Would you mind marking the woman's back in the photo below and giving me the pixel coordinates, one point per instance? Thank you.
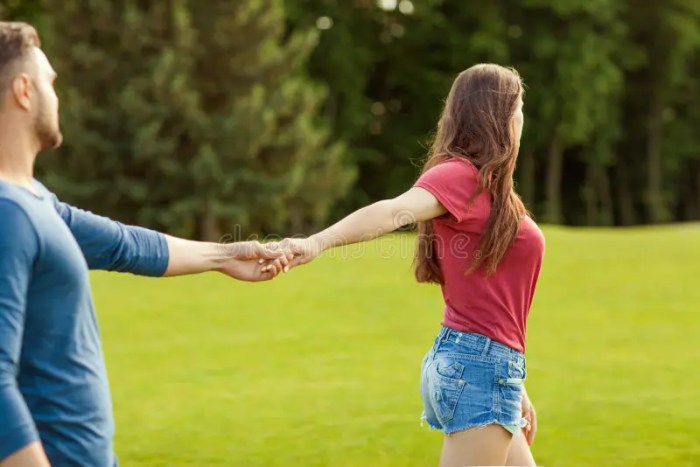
(494, 305)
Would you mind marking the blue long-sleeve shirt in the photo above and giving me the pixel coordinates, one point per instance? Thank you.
(53, 382)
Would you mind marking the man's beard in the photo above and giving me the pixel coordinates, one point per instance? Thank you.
(48, 135)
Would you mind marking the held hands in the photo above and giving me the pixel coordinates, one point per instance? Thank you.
(253, 261)
(298, 250)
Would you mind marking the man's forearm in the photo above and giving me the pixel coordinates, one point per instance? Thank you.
(191, 257)
(31, 455)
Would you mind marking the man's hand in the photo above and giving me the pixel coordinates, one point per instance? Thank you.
(253, 261)
(190, 257)
(528, 411)
(251, 270)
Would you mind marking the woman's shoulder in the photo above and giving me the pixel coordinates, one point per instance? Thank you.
(531, 230)
(453, 169)
(459, 162)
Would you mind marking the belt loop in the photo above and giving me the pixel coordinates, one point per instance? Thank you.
(448, 331)
(487, 346)
(444, 334)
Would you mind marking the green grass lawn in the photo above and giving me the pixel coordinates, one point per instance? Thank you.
(320, 367)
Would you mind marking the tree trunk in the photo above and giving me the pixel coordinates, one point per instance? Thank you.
(590, 194)
(208, 226)
(555, 162)
(296, 220)
(625, 200)
(691, 198)
(656, 208)
(606, 201)
(599, 203)
(526, 179)
(697, 195)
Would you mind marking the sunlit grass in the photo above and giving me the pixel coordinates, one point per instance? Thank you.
(320, 367)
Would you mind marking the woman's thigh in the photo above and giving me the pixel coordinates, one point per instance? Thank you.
(519, 452)
(487, 445)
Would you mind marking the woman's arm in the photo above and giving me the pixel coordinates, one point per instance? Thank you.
(528, 411)
(375, 220)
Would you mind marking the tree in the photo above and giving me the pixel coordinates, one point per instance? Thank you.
(669, 34)
(196, 118)
(351, 60)
(22, 10)
(389, 70)
(572, 62)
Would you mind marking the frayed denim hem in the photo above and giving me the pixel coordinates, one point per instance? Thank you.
(424, 420)
(512, 428)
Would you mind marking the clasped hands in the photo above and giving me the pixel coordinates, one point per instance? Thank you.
(254, 261)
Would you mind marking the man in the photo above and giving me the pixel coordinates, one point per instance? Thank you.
(55, 406)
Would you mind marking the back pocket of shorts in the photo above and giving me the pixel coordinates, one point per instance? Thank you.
(445, 384)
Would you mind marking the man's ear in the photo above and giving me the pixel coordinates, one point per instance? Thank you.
(22, 90)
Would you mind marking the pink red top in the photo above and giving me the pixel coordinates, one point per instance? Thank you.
(496, 306)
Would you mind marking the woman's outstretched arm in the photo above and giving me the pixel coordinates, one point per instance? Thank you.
(375, 220)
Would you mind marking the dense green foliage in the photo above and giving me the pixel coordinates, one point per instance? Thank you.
(609, 107)
(278, 115)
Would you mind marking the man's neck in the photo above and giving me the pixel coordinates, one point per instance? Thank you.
(17, 156)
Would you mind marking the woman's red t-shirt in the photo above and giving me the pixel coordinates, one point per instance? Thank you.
(496, 306)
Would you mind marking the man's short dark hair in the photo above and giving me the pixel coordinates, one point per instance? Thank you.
(16, 42)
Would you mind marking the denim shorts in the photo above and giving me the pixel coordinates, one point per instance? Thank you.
(469, 380)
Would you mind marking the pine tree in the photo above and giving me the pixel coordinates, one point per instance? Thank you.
(193, 118)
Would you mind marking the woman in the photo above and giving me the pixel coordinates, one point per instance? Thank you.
(477, 240)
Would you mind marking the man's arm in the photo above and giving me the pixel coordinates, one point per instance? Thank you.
(19, 246)
(238, 260)
(113, 246)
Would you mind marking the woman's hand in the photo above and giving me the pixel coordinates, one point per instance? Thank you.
(529, 413)
(298, 250)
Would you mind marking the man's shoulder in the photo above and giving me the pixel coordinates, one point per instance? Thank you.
(19, 206)
(22, 196)
(12, 204)
(17, 226)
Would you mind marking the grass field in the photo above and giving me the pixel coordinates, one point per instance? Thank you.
(320, 367)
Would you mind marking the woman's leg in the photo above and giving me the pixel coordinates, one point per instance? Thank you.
(486, 445)
(519, 453)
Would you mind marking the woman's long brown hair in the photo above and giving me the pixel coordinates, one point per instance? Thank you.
(477, 125)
